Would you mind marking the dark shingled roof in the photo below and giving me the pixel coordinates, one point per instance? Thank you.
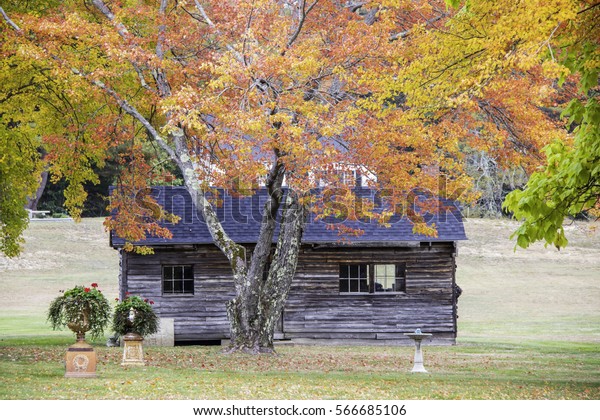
(241, 217)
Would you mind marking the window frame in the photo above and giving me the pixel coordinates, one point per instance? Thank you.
(399, 274)
(350, 278)
(185, 291)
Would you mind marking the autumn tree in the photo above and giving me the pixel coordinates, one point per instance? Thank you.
(568, 183)
(280, 92)
(500, 43)
(19, 163)
(39, 110)
(26, 111)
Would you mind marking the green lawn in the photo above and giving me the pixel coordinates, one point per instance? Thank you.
(529, 328)
(312, 372)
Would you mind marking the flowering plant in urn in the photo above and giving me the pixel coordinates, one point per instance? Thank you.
(133, 319)
(81, 309)
(135, 315)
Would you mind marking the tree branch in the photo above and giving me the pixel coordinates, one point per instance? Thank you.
(180, 155)
(103, 8)
(9, 21)
(203, 13)
(122, 30)
(354, 6)
(449, 66)
(305, 13)
(159, 74)
(589, 8)
(17, 91)
(131, 110)
(210, 23)
(161, 30)
(406, 33)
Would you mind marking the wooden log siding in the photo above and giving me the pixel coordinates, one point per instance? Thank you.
(200, 316)
(315, 309)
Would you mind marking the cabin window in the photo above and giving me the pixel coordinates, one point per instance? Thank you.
(354, 278)
(372, 278)
(389, 278)
(178, 280)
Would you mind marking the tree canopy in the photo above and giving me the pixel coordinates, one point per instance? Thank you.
(553, 39)
(568, 183)
(237, 94)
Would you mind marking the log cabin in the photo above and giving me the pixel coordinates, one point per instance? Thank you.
(371, 288)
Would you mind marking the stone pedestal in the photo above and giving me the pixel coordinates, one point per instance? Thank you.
(81, 361)
(418, 363)
(133, 352)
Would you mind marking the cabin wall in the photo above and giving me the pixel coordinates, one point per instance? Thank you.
(315, 309)
(200, 316)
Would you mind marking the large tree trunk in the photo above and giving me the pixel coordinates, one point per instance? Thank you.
(243, 310)
(255, 310)
(32, 202)
(274, 292)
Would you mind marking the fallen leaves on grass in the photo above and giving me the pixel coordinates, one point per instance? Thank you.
(306, 372)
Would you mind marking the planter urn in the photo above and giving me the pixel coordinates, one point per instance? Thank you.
(133, 351)
(81, 357)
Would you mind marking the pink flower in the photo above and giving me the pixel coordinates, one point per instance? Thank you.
(146, 300)
(151, 302)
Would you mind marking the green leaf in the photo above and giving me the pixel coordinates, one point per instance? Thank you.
(453, 3)
(522, 241)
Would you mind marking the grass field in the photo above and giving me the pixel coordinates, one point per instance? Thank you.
(529, 328)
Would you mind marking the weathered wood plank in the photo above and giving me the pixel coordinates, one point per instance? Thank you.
(315, 308)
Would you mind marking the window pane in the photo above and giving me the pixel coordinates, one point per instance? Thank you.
(188, 286)
(390, 270)
(354, 285)
(354, 271)
(380, 278)
(178, 286)
(364, 287)
(168, 287)
(401, 277)
(178, 272)
(168, 272)
(385, 276)
(188, 273)
(344, 272)
(344, 285)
